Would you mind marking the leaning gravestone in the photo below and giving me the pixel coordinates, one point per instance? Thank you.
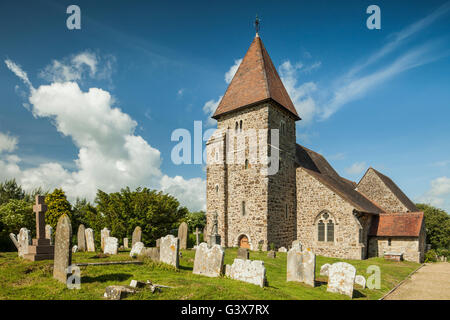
(49, 233)
(361, 281)
(12, 236)
(208, 261)
(137, 236)
(324, 269)
(63, 252)
(81, 238)
(243, 253)
(341, 277)
(24, 239)
(251, 271)
(137, 249)
(90, 244)
(103, 235)
(301, 266)
(183, 235)
(125, 243)
(169, 252)
(111, 245)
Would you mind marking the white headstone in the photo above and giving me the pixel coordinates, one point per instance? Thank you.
(361, 281)
(74, 248)
(169, 250)
(341, 277)
(282, 249)
(90, 244)
(111, 245)
(324, 269)
(49, 233)
(103, 235)
(137, 249)
(301, 266)
(251, 271)
(208, 261)
(24, 239)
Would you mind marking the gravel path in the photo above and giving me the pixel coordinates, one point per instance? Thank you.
(431, 282)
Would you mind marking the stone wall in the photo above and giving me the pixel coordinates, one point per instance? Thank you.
(374, 188)
(312, 199)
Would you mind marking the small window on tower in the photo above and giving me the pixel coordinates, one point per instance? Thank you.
(240, 126)
(389, 242)
(246, 163)
(286, 209)
(282, 127)
(217, 189)
(236, 127)
(243, 208)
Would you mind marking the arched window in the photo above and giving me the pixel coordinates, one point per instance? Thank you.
(321, 231)
(217, 189)
(243, 208)
(246, 163)
(282, 127)
(240, 126)
(325, 227)
(330, 231)
(236, 127)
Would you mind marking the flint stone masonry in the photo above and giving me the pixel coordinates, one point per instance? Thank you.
(301, 266)
(90, 244)
(24, 240)
(81, 238)
(152, 253)
(49, 233)
(208, 261)
(63, 252)
(324, 269)
(104, 234)
(361, 281)
(137, 249)
(297, 243)
(137, 236)
(169, 250)
(248, 271)
(183, 235)
(111, 245)
(243, 253)
(12, 236)
(341, 277)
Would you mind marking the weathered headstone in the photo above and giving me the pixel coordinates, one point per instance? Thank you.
(81, 238)
(41, 249)
(271, 254)
(197, 234)
(90, 243)
(341, 277)
(137, 236)
(152, 253)
(243, 253)
(361, 281)
(63, 252)
(282, 249)
(297, 243)
(111, 245)
(169, 250)
(105, 233)
(183, 235)
(208, 261)
(324, 269)
(49, 233)
(158, 242)
(301, 266)
(137, 249)
(125, 243)
(251, 271)
(74, 249)
(12, 236)
(24, 240)
(118, 292)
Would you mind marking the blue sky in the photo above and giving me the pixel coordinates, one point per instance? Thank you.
(377, 98)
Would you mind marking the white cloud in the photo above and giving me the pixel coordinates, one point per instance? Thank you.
(439, 193)
(7, 143)
(17, 70)
(110, 154)
(180, 92)
(232, 71)
(356, 169)
(209, 108)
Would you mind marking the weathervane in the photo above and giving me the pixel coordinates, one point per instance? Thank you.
(257, 21)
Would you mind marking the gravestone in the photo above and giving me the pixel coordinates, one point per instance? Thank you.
(282, 249)
(111, 245)
(297, 243)
(341, 277)
(24, 240)
(152, 253)
(251, 271)
(137, 236)
(49, 233)
(63, 252)
(301, 266)
(105, 233)
(125, 243)
(197, 234)
(208, 261)
(324, 269)
(183, 235)
(81, 238)
(271, 254)
(243, 253)
(158, 242)
(361, 281)
(41, 249)
(137, 249)
(12, 236)
(90, 243)
(74, 249)
(169, 250)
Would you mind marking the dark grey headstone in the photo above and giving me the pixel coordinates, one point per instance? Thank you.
(63, 252)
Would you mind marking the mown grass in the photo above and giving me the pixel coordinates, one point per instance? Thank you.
(21, 279)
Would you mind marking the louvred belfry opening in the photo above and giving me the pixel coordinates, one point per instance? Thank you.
(255, 81)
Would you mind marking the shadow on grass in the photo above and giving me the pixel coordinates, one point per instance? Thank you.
(107, 277)
(319, 283)
(185, 268)
(358, 294)
(99, 256)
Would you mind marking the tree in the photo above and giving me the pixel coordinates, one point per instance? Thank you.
(16, 214)
(10, 190)
(196, 220)
(437, 224)
(57, 205)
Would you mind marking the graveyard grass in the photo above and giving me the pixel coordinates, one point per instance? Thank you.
(21, 279)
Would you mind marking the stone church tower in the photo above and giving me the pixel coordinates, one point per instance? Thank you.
(251, 205)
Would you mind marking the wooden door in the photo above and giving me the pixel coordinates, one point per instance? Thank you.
(243, 242)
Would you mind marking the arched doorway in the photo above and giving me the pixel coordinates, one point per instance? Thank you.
(243, 242)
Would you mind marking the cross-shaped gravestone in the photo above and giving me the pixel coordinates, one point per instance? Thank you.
(197, 233)
(40, 208)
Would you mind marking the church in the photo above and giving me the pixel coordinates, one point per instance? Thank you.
(304, 199)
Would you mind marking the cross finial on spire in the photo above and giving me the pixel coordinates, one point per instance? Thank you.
(257, 21)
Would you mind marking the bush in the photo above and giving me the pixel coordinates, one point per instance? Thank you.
(430, 256)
